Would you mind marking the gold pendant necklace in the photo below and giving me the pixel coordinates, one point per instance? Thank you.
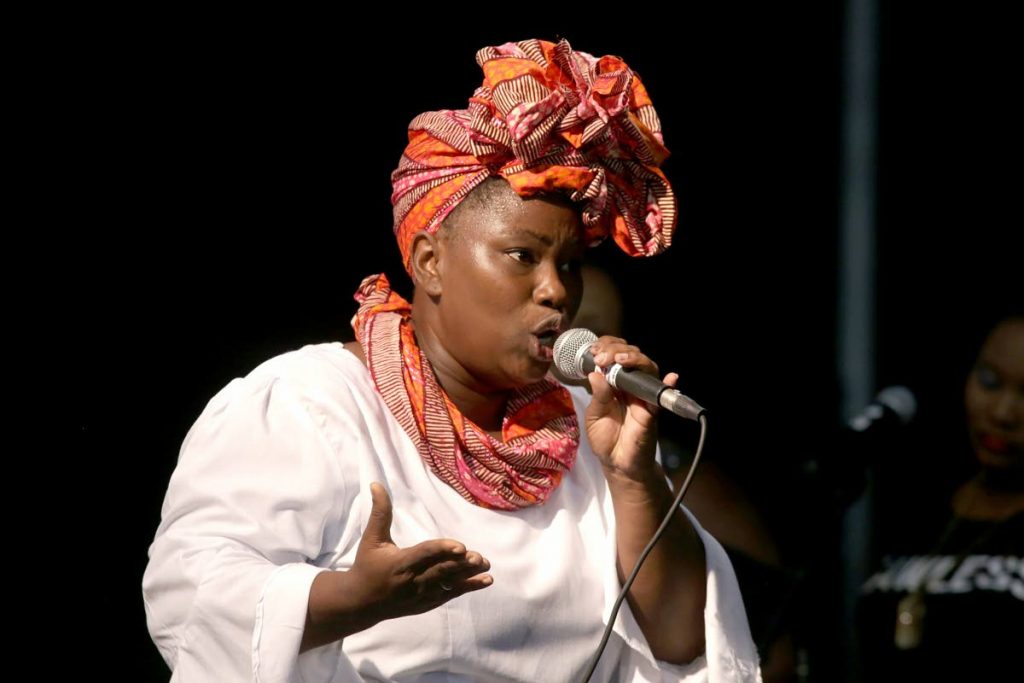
(910, 621)
(910, 611)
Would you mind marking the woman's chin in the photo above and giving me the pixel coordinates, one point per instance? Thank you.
(532, 372)
(1001, 465)
(541, 375)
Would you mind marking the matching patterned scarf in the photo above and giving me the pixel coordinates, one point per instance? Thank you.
(540, 434)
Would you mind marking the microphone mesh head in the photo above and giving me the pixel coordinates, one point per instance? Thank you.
(899, 400)
(569, 349)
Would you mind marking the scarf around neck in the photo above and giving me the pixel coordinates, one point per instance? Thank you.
(540, 433)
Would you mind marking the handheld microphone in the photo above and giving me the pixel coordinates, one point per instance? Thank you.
(573, 359)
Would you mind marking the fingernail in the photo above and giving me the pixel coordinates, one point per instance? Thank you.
(487, 581)
(601, 358)
(620, 357)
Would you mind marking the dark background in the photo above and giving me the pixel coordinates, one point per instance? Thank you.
(233, 175)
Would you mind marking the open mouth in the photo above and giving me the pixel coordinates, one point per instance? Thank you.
(543, 347)
(544, 336)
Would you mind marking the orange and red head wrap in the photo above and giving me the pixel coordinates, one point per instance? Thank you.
(546, 119)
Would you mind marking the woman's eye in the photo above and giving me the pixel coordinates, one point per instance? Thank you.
(522, 255)
(987, 378)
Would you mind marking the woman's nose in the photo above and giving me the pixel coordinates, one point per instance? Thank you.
(1008, 409)
(550, 290)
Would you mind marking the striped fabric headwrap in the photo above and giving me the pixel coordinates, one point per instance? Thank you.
(540, 434)
(546, 118)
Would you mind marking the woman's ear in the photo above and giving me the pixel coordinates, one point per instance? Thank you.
(425, 261)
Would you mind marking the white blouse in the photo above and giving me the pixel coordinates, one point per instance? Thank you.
(272, 487)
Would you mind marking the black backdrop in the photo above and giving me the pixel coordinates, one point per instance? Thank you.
(235, 175)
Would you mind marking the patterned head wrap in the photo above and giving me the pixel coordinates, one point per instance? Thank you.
(547, 118)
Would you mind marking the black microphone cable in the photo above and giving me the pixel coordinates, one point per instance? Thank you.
(650, 546)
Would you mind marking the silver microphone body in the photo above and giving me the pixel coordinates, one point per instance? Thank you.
(573, 359)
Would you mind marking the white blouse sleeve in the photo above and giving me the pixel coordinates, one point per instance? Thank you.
(257, 494)
(730, 655)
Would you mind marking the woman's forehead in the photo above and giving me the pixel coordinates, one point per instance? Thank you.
(551, 223)
(1005, 346)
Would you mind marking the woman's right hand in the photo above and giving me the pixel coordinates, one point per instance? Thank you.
(395, 582)
(386, 581)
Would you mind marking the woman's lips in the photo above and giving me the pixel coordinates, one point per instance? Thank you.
(540, 350)
(994, 444)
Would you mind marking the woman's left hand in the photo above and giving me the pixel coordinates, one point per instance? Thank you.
(622, 429)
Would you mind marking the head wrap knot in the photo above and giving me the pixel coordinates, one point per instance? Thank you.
(546, 119)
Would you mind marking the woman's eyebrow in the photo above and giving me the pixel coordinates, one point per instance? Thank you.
(547, 240)
(540, 237)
